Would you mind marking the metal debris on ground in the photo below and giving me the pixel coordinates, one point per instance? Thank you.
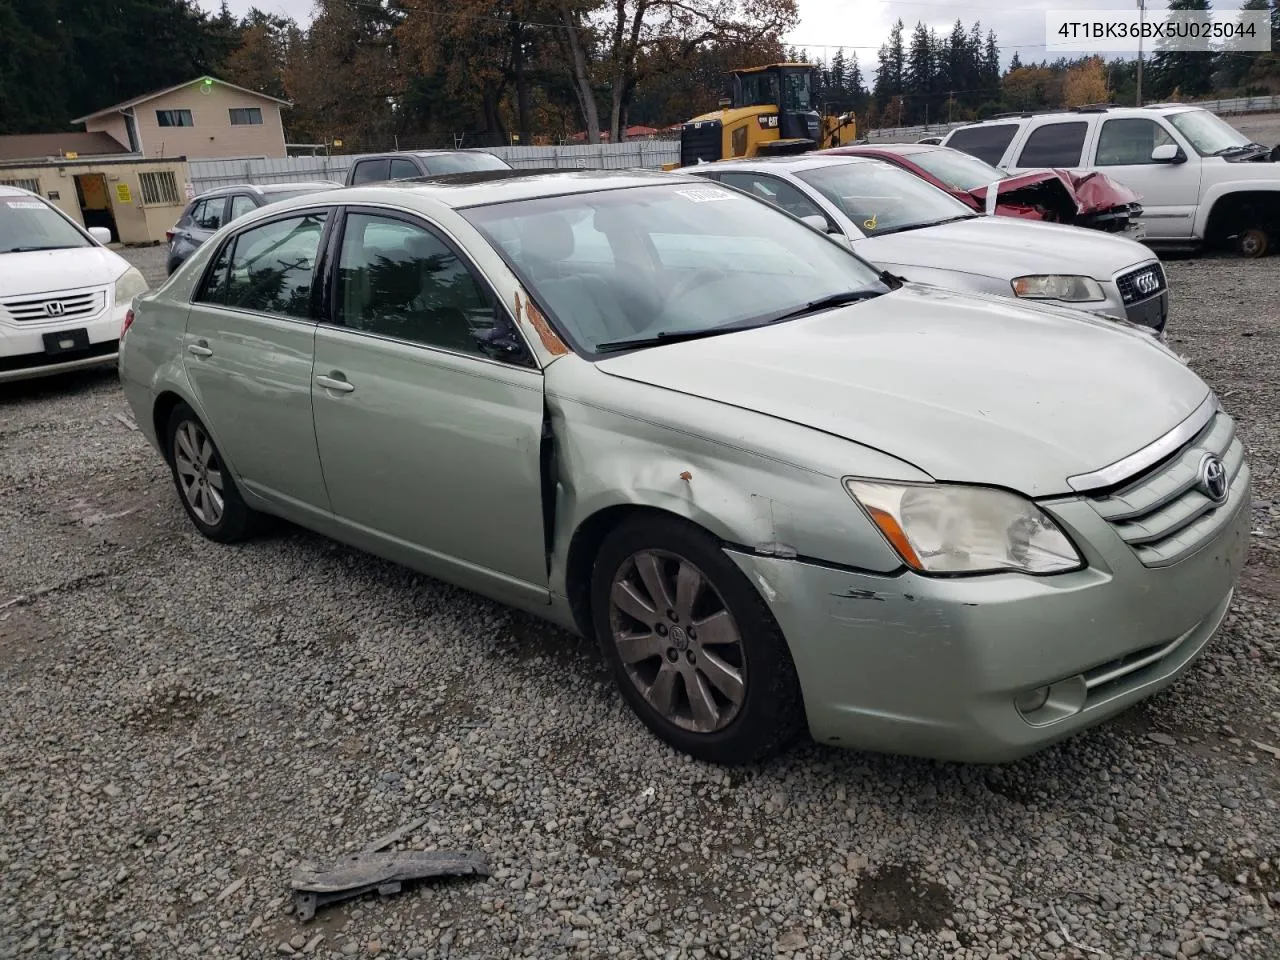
(315, 885)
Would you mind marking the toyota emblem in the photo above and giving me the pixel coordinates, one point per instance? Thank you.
(54, 308)
(1212, 481)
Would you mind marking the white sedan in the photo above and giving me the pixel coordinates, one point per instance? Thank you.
(63, 294)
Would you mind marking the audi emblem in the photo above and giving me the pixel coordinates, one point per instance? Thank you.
(1146, 283)
(54, 308)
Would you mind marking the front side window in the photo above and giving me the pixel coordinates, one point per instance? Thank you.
(272, 267)
(240, 205)
(402, 169)
(246, 116)
(759, 89)
(207, 214)
(772, 190)
(1054, 145)
(687, 258)
(988, 142)
(398, 279)
(28, 224)
(882, 199)
(174, 118)
(1129, 141)
(796, 93)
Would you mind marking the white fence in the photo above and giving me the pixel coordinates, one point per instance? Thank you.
(208, 174)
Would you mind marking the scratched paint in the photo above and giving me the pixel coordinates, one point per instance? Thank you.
(553, 344)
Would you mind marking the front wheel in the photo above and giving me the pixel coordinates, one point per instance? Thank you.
(694, 649)
(1253, 243)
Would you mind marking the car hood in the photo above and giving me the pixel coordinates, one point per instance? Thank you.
(1068, 193)
(44, 271)
(968, 388)
(1004, 248)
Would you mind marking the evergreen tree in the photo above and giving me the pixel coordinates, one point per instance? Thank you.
(1186, 73)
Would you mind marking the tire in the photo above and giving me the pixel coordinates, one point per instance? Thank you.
(1253, 243)
(744, 684)
(202, 480)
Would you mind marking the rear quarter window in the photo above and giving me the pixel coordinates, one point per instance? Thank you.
(987, 142)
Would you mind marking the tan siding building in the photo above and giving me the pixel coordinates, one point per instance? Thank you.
(204, 119)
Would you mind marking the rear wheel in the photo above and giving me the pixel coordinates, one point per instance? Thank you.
(695, 651)
(206, 488)
(1253, 242)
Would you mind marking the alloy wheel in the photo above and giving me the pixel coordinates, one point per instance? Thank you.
(199, 472)
(678, 642)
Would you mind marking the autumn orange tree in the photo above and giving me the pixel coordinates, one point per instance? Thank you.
(1085, 83)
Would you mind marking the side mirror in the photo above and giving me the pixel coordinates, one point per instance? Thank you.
(101, 234)
(1168, 153)
(816, 221)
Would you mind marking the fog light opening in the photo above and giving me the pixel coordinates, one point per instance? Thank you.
(1031, 700)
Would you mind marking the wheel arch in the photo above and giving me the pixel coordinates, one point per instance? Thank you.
(1236, 200)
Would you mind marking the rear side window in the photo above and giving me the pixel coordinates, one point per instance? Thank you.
(1054, 145)
(986, 143)
(369, 171)
(268, 269)
(207, 214)
(402, 169)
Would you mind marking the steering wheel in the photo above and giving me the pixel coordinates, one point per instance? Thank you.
(701, 277)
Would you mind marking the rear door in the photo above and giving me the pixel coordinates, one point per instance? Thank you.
(248, 353)
(430, 444)
(1056, 144)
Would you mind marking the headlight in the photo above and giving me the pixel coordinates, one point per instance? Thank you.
(1057, 286)
(130, 284)
(944, 528)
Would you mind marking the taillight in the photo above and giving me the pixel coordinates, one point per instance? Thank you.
(128, 322)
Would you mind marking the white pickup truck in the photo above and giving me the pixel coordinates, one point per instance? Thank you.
(1202, 182)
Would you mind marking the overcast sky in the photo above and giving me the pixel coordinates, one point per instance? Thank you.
(863, 24)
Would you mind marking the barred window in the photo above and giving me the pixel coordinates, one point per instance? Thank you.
(159, 187)
(32, 185)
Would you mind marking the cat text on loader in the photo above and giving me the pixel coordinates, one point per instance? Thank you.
(773, 111)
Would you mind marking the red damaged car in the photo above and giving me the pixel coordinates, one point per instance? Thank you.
(1060, 196)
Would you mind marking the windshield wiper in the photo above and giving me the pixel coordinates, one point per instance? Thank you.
(677, 336)
(921, 226)
(56, 246)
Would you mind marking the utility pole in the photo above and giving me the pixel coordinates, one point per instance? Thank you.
(1142, 18)
(951, 99)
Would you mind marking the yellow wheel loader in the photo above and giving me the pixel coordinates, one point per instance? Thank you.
(773, 111)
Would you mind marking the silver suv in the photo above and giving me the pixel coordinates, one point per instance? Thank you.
(1201, 180)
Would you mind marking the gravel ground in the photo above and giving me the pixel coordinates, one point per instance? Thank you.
(184, 722)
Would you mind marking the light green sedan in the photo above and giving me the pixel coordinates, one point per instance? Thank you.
(782, 489)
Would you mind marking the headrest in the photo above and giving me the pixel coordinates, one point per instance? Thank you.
(549, 237)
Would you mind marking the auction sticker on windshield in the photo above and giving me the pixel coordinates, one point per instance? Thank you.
(24, 204)
(707, 194)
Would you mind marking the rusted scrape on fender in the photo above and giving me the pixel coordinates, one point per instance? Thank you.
(553, 343)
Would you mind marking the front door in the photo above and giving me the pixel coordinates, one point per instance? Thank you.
(430, 446)
(95, 202)
(1170, 191)
(248, 353)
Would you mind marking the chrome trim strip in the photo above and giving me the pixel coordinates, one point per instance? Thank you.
(1123, 671)
(1135, 463)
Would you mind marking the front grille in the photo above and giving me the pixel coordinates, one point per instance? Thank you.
(1136, 285)
(701, 141)
(54, 307)
(1162, 514)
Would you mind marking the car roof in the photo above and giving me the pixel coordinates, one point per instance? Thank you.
(804, 161)
(416, 153)
(901, 149)
(1164, 109)
(459, 190)
(270, 187)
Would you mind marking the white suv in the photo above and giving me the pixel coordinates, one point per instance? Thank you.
(63, 295)
(1201, 180)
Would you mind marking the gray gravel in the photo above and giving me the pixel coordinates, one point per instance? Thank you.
(184, 722)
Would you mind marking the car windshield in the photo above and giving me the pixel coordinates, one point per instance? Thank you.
(957, 170)
(1208, 133)
(28, 223)
(880, 198)
(275, 196)
(465, 162)
(667, 261)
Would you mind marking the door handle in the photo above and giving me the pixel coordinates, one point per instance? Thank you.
(331, 383)
(200, 349)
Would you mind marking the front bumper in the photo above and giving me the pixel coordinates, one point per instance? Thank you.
(32, 348)
(931, 666)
